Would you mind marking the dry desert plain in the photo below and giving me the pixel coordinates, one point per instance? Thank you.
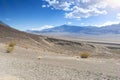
(31, 64)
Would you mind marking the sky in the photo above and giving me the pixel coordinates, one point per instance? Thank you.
(42, 14)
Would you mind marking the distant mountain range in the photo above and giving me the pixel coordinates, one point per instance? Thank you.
(91, 30)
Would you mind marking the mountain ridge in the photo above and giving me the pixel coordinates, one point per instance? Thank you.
(110, 29)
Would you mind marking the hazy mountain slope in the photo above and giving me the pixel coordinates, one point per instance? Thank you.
(115, 29)
(8, 34)
(91, 30)
(66, 29)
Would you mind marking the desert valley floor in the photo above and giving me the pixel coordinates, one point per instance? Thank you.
(29, 64)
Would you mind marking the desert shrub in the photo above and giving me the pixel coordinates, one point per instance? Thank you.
(84, 54)
(10, 47)
(11, 44)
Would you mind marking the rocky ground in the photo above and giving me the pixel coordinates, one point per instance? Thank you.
(24, 64)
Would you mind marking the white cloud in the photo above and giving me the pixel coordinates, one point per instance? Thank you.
(84, 13)
(43, 6)
(42, 27)
(118, 15)
(79, 8)
(69, 23)
(107, 23)
(59, 4)
(83, 8)
(113, 3)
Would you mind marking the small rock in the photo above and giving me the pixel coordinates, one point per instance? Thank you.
(39, 57)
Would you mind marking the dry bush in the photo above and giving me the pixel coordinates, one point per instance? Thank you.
(84, 54)
(10, 47)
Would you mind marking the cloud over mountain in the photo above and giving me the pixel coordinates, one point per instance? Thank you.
(118, 15)
(107, 23)
(42, 27)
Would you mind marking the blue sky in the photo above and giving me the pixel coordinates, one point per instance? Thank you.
(41, 14)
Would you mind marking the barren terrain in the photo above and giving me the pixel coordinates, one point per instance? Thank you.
(23, 64)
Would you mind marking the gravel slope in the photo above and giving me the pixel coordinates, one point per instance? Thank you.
(23, 64)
